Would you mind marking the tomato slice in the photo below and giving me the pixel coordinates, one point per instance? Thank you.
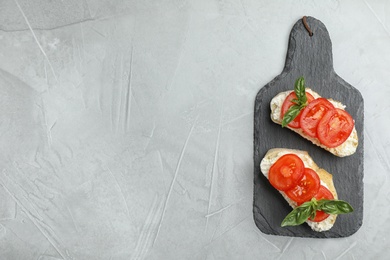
(286, 172)
(312, 114)
(335, 127)
(306, 188)
(323, 193)
(288, 103)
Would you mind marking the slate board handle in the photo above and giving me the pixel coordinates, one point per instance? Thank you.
(310, 56)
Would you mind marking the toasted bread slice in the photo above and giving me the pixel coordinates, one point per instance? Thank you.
(345, 149)
(326, 180)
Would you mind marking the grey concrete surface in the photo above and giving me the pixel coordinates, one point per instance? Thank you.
(126, 128)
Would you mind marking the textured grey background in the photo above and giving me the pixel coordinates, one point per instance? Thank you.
(127, 126)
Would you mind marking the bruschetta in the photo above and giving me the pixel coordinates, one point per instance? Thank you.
(322, 121)
(302, 183)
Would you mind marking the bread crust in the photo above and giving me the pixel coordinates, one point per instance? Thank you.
(345, 149)
(326, 178)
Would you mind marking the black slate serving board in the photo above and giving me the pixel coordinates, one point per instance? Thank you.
(310, 57)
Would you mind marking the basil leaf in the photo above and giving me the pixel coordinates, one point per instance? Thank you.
(299, 215)
(300, 102)
(313, 214)
(296, 101)
(309, 209)
(291, 114)
(299, 90)
(334, 206)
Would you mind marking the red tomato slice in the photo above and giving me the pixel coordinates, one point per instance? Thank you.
(335, 127)
(306, 188)
(286, 172)
(288, 103)
(312, 114)
(323, 193)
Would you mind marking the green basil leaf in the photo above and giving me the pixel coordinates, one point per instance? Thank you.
(299, 89)
(298, 215)
(313, 214)
(290, 115)
(334, 206)
(309, 209)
